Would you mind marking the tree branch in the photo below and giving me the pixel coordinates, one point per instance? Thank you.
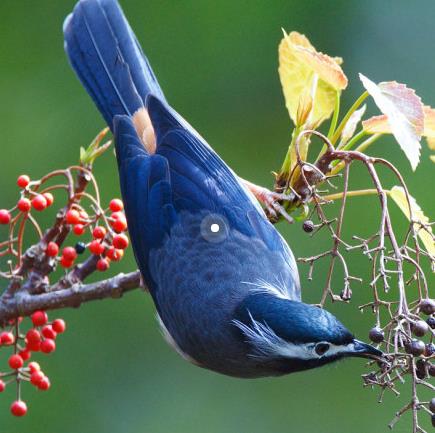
(23, 303)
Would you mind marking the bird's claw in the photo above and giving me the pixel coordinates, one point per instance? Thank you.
(271, 200)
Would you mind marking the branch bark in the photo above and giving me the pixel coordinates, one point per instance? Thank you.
(23, 303)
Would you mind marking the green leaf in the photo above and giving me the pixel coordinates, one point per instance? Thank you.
(95, 149)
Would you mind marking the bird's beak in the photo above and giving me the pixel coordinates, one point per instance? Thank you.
(364, 350)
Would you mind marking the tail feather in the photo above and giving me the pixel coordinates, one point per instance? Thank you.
(105, 55)
(141, 72)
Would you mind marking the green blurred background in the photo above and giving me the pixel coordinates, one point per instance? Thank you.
(217, 62)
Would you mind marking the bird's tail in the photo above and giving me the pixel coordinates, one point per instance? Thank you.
(106, 56)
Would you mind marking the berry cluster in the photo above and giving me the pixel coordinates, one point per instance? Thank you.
(105, 227)
(416, 350)
(101, 232)
(41, 337)
(29, 199)
(108, 240)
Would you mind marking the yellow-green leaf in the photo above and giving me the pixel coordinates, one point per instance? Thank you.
(397, 193)
(304, 70)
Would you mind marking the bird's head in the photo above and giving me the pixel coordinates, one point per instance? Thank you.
(290, 336)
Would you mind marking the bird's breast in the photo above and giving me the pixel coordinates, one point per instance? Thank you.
(201, 273)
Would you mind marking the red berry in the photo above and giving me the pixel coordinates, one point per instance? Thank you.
(25, 354)
(72, 217)
(99, 232)
(18, 408)
(39, 202)
(103, 265)
(39, 318)
(117, 215)
(59, 326)
(116, 205)
(79, 229)
(119, 225)
(15, 361)
(48, 345)
(36, 377)
(65, 263)
(5, 216)
(44, 384)
(2, 386)
(33, 346)
(24, 204)
(48, 332)
(114, 254)
(52, 249)
(34, 366)
(23, 180)
(7, 338)
(96, 248)
(33, 336)
(120, 242)
(49, 197)
(69, 253)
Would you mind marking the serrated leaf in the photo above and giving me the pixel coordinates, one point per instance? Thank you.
(303, 69)
(351, 124)
(404, 113)
(397, 193)
(380, 125)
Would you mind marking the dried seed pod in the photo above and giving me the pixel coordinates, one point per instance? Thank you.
(308, 226)
(432, 405)
(429, 350)
(431, 322)
(427, 306)
(416, 347)
(420, 328)
(421, 369)
(376, 335)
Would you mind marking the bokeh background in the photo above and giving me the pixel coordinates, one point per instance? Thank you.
(217, 62)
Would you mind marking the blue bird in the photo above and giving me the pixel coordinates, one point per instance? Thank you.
(224, 282)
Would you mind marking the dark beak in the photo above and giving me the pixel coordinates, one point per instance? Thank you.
(365, 350)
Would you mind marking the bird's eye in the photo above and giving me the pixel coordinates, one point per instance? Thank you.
(321, 348)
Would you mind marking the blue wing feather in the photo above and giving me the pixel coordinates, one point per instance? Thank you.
(146, 190)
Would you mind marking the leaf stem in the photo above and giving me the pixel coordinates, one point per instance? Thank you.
(352, 109)
(335, 115)
(286, 165)
(356, 193)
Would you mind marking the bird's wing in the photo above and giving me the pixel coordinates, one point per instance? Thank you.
(185, 174)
